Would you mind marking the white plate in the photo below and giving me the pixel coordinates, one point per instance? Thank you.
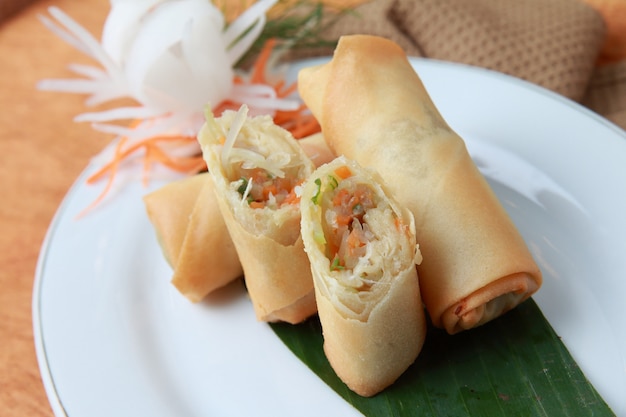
(114, 338)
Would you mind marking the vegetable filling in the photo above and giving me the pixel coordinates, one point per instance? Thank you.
(359, 230)
(261, 189)
(263, 177)
(348, 232)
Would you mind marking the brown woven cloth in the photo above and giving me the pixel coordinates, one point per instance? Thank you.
(606, 93)
(552, 43)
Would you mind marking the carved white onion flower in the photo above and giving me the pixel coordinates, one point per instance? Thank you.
(172, 57)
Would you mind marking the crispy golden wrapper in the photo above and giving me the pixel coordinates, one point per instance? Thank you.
(267, 239)
(193, 236)
(372, 317)
(373, 108)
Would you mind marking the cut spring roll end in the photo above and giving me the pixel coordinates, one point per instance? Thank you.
(257, 168)
(363, 254)
(194, 239)
(490, 301)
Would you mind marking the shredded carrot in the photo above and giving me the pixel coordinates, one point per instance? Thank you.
(223, 106)
(286, 91)
(341, 197)
(401, 226)
(299, 122)
(257, 204)
(309, 127)
(153, 154)
(113, 167)
(146, 144)
(260, 65)
(354, 241)
(187, 165)
(340, 200)
(269, 189)
(343, 172)
(292, 198)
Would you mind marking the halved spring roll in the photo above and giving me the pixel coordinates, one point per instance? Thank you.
(191, 231)
(373, 108)
(257, 168)
(363, 253)
(193, 237)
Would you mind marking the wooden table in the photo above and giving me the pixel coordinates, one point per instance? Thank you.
(42, 151)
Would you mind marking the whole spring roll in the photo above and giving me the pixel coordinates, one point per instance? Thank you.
(191, 231)
(373, 108)
(193, 237)
(258, 168)
(363, 253)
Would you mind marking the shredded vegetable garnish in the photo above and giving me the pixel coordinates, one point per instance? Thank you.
(153, 153)
(151, 150)
(232, 134)
(113, 168)
(172, 57)
(148, 152)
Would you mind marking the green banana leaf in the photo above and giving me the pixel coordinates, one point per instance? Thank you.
(515, 365)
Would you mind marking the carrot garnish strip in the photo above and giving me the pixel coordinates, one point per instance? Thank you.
(186, 164)
(113, 167)
(146, 143)
(306, 126)
(153, 154)
(287, 91)
(260, 65)
(223, 106)
(299, 122)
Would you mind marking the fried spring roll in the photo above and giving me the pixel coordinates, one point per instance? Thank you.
(373, 108)
(363, 253)
(193, 237)
(257, 168)
(192, 234)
